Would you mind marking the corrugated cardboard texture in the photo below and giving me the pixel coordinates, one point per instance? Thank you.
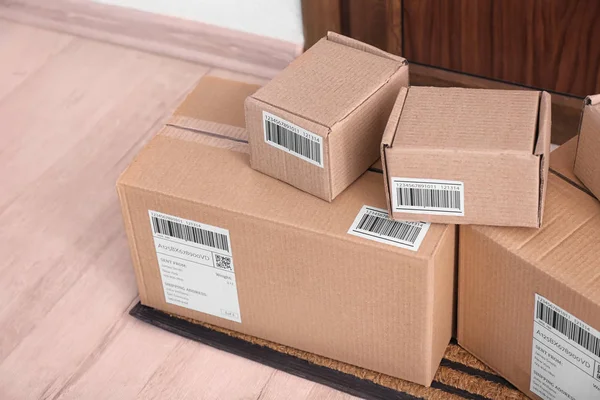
(216, 106)
(302, 280)
(496, 142)
(500, 270)
(587, 162)
(340, 89)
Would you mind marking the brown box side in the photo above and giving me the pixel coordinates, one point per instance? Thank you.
(587, 162)
(501, 269)
(501, 189)
(493, 178)
(280, 164)
(318, 283)
(354, 142)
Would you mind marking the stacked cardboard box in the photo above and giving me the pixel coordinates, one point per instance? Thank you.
(218, 242)
(529, 300)
(368, 276)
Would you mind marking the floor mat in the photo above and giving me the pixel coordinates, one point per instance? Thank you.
(460, 376)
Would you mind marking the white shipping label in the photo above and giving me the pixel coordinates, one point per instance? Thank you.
(428, 196)
(291, 138)
(374, 224)
(565, 357)
(196, 265)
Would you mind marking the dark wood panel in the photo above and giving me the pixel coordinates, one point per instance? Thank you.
(376, 22)
(452, 34)
(367, 21)
(548, 44)
(318, 17)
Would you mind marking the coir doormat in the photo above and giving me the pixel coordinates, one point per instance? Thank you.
(460, 376)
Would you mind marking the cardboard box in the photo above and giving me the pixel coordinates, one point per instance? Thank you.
(467, 156)
(587, 162)
(529, 300)
(218, 242)
(318, 124)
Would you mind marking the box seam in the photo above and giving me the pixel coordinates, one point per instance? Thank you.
(392, 249)
(522, 259)
(386, 146)
(294, 114)
(121, 188)
(377, 90)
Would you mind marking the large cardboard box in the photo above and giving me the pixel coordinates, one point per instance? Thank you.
(318, 124)
(467, 156)
(587, 161)
(529, 300)
(218, 242)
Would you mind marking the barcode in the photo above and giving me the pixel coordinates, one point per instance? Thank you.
(404, 231)
(374, 224)
(565, 326)
(294, 142)
(429, 198)
(190, 233)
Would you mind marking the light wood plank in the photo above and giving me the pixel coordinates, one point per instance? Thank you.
(138, 350)
(195, 371)
(173, 37)
(94, 105)
(23, 51)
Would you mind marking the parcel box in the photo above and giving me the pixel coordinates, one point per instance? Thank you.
(467, 156)
(218, 242)
(587, 161)
(318, 124)
(529, 300)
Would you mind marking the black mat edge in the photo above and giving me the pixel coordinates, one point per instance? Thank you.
(264, 355)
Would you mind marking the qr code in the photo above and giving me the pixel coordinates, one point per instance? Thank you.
(223, 262)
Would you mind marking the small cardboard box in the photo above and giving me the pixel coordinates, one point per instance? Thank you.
(218, 242)
(529, 300)
(587, 161)
(467, 156)
(318, 124)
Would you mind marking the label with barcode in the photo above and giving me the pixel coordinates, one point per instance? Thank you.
(565, 357)
(291, 138)
(428, 196)
(374, 224)
(196, 265)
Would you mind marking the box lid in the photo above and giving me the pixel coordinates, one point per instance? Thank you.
(330, 79)
(469, 119)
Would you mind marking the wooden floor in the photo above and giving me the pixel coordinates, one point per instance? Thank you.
(73, 112)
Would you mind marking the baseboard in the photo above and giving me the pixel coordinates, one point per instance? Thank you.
(566, 110)
(169, 36)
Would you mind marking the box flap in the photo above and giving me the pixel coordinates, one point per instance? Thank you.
(356, 44)
(330, 80)
(561, 161)
(388, 139)
(469, 120)
(215, 105)
(542, 147)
